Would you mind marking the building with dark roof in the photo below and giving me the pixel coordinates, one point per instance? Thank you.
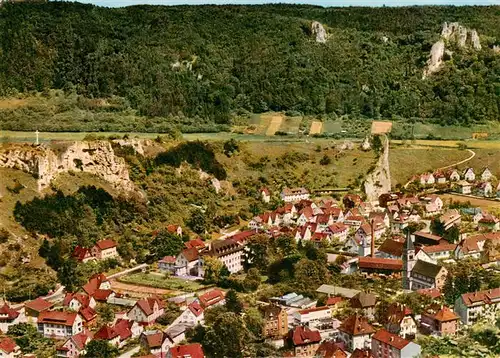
(427, 275)
(275, 321)
(356, 332)
(305, 342)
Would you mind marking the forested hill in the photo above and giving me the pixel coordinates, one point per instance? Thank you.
(208, 62)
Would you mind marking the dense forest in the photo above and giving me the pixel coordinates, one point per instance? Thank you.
(208, 64)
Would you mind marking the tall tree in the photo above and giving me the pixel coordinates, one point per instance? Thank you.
(233, 303)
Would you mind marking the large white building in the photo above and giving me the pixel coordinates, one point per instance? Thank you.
(56, 324)
(311, 316)
(296, 194)
(475, 305)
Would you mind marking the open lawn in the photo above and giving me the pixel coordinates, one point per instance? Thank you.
(424, 130)
(160, 281)
(484, 204)
(291, 125)
(472, 144)
(332, 127)
(485, 158)
(408, 161)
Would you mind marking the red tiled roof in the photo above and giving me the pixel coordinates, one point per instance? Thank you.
(106, 333)
(428, 235)
(82, 298)
(39, 305)
(439, 248)
(304, 335)
(481, 297)
(7, 345)
(211, 298)
(331, 301)
(195, 308)
(243, 236)
(330, 350)
(431, 292)
(6, 310)
(102, 295)
(81, 339)
(443, 315)
(356, 325)
(198, 243)
(337, 228)
(380, 263)
(191, 254)
(123, 328)
(193, 350)
(396, 312)
(172, 228)
(81, 253)
(88, 313)
(147, 305)
(57, 317)
(314, 309)
(105, 244)
(361, 353)
(154, 340)
(390, 339)
(392, 247)
(94, 283)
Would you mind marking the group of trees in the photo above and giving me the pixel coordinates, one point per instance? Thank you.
(176, 63)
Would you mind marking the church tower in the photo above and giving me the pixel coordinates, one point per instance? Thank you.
(408, 261)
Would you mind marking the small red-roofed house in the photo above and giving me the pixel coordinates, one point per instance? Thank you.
(146, 310)
(105, 249)
(167, 264)
(188, 262)
(103, 295)
(385, 344)
(335, 302)
(56, 324)
(82, 254)
(305, 341)
(108, 334)
(265, 195)
(440, 320)
(330, 349)
(9, 348)
(157, 342)
(33, 308)
(8, 317)
(400, 321)
(193, 314)
(88, 315)
(96, 282)
(212, 298)
(362, 353)
(127, 330)
(74, 345)
(433, 293)
(196, 243)
(355, 332)
(75, 301)
(338, 231)
(193, 350)
(175, 229)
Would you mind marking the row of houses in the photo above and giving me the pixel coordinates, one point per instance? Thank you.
(453, 175)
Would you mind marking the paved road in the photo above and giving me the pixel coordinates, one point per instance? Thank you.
(131, 352)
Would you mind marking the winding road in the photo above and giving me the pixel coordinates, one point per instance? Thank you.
(473, 154)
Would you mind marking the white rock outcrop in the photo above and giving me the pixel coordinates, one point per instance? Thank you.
(46, 162)
(455, 32)
(318, 32)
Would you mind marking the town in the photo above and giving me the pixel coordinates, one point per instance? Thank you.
(406, 250)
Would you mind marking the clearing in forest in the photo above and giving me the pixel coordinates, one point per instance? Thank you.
(316, 127)
(274, 125)
(379, 127)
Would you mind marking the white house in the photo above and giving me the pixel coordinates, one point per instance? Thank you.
(105, 249)
(475, 305)
(469, 174)
(146, 310)
(440, 252)
(295, 194)
(229, 251)
(75, 301)
(9, 317)
(9, 348)
(265, 195)
(427, 179)
(188, 263)
(193, 314)
(486, 175)
(484, 189)
(312, 316)
(463, 187)
(453, 175)
(59, 324)
(338, 231)
(356, 332)
(385, 344)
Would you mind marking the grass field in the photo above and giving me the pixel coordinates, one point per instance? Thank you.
(473, 144)
(332, 127)
(423, 130)
(484, 204)
(274, 125)
(291, 125)
(160, 281)
(407, 161)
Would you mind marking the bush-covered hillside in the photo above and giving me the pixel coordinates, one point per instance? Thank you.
(201, 65)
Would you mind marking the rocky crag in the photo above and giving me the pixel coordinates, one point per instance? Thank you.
(452, 32)
(379, 180)
(318, 32)
(45, 162)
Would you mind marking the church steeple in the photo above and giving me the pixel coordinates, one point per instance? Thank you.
(408, 261)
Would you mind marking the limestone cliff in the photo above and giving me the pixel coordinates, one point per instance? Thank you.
(451, 32)
(45, 162)
(318, 32)
(379, 180)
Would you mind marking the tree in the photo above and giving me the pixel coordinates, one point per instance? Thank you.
(252, 280)
(309, 274)
(101, 349)
(216, 340)
(198, 222)
(68, 275)
(212, 268)
(233, 303)
(257, 252)
(105, 313)
(165, 244)
(377, 143)
(285, 245)
(325, 160)
(452, 235)
(381, 311)
(437, 227)
(170, 314)
(254, 322)
(230, 147)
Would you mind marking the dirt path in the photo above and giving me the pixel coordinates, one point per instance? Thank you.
(473, 154)
(379, 180)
